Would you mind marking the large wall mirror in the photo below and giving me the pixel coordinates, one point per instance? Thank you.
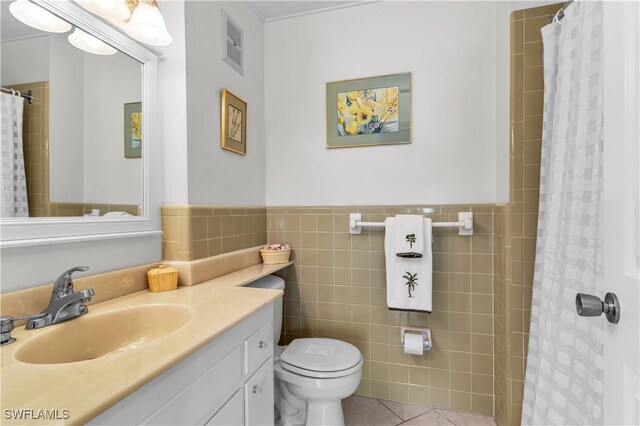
(77, 112)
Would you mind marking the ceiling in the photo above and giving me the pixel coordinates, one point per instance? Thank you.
(270, 11)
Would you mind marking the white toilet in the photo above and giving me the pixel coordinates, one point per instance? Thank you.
(312, 376)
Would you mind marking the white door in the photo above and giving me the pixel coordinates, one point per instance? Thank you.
(622, 209)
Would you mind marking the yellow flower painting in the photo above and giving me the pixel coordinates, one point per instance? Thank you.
(369, 111)
(133, 130)
(136, 129)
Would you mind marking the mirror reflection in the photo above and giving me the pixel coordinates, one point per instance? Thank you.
(71, 121)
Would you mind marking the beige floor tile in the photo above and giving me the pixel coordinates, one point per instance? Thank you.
(361, 411)
(406, 411)
(431, 418)
(460, 418)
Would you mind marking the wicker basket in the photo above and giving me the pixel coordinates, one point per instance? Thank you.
(162, 278)
(274, 257)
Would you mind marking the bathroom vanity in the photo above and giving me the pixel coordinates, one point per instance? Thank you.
(202, 354)
(227, 382)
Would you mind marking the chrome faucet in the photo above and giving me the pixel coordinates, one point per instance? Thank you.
(64, 304)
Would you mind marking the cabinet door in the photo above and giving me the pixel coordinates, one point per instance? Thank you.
(258, 396)
(231, 414)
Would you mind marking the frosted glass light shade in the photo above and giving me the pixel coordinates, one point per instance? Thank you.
(115, 10)
(89, 43)
(37, 17)
(147, 25)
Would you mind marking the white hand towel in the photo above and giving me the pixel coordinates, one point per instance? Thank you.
(409, 235)
(409, 281)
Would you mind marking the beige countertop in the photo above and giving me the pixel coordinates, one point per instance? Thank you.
(87, 388)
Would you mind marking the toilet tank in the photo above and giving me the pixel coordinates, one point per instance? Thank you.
(276, 283)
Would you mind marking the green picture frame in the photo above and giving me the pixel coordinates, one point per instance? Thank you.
(133, 130)
(369, 111)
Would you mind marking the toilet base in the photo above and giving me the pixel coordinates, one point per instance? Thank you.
(292, 411)
(325, 413)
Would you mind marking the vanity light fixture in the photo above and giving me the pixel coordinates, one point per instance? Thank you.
(147, 24)
(37, 17)
(115, 10)
(89, 43)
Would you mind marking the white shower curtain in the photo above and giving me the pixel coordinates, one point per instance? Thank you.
(564, 376)
(14, 180)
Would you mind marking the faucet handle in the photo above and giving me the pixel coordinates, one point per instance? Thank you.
(64, 284)
(6, 327)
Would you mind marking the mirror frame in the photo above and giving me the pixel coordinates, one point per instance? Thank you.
(52, 230)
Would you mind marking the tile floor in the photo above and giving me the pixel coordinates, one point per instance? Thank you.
(361, 411)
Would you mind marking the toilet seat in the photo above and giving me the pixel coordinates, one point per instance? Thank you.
(321, 358)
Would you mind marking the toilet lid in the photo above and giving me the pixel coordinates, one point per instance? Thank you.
(321, 355)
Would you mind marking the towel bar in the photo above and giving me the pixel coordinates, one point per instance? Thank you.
(464, 223)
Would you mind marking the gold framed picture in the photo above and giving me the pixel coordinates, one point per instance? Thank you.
(233, 125)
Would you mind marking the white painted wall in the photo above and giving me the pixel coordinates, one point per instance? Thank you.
(87, 94)
(217, 176)
(109, 83)
(503, 134)
(24, 61)
(450, 49)
(172, 104)
(66, 122)
(25, 267)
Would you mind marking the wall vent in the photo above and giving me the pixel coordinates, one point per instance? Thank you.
(232, 43)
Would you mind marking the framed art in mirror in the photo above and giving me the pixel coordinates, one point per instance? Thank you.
(133, 130)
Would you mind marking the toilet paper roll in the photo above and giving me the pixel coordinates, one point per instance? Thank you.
(413, 344)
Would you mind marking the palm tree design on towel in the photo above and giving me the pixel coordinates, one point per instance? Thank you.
(411, 282)
(411, 238)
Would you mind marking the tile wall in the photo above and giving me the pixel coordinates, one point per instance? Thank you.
(78, 209)
(35, 135)
(515, 224)
(193, 232)
(337, 289)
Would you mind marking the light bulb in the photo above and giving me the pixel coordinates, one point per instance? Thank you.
(148, 31)
(89, 43)
(37, 17)
(147, 25)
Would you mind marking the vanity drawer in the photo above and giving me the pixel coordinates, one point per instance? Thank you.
(258, 347)
(258, 396)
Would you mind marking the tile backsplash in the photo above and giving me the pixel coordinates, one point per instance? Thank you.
(337, 289)
(192, 232)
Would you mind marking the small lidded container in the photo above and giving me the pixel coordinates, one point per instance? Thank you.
(162, 278)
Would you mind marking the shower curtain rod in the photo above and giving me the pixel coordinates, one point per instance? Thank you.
(559, 14)
(28, 96)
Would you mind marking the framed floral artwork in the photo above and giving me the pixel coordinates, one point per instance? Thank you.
(233, 123)
(369, 111)
(133, 130)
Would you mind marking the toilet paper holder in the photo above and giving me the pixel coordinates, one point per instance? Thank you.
(425, 332)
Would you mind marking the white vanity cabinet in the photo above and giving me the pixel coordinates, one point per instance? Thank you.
(227, 382)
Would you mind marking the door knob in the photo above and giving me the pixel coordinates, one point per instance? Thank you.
(591, 306)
